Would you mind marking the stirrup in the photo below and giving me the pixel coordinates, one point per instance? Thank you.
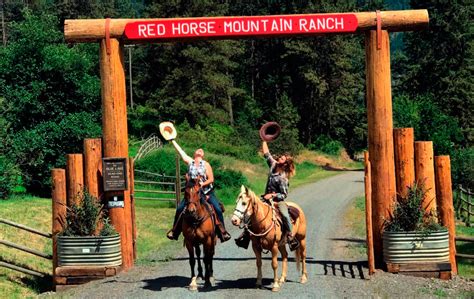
(293, 243)
(171, 235)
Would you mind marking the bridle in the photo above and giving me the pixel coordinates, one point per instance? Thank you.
(245, 220)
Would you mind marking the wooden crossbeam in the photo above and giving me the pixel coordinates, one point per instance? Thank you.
(93, 30)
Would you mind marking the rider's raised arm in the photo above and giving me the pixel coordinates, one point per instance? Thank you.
(187, 159)
(266, 154)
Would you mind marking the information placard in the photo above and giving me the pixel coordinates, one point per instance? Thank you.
(114, 172)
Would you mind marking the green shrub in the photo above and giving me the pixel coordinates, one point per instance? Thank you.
(409, 214)
(462, 167)
(8, 176)
(44, 147)
(82, 218)
(327, 145)
(163, 162)
(428, 121)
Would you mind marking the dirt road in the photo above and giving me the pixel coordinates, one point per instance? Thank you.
(330, 274)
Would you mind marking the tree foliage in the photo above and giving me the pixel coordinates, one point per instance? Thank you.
(221, 92)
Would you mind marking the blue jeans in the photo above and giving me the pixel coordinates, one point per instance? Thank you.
(212, 200)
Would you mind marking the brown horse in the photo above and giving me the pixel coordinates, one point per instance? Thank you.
(198, 228)
(266, 234)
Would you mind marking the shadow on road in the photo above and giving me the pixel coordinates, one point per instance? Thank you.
(166, 282)
(342, 268)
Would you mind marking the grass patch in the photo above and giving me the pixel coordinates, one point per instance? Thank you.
(36, 213)
(465, 266)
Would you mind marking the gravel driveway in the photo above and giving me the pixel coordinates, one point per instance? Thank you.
(330, 275)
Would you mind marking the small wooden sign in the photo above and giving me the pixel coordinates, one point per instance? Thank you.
(249, 26)
(114, 171)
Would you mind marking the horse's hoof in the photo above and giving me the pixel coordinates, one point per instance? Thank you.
(282, 280)
(212, 281)
(258, 285)
(276, 289)
(304, 279)
(193, 288)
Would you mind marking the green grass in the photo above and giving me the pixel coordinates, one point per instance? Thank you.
(36, 213)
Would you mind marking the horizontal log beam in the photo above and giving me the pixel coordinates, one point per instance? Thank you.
(22, 269)
(26, 249)
(93, 30)
(26, 228)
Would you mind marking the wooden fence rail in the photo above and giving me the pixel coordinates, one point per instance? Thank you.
(463, 205)
(465, 239)
(9, 265)
(24, 227)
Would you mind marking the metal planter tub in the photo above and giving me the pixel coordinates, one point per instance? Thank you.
(89, 251)
(415, 247)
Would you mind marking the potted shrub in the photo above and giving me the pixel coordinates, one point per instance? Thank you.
(413, 236)
(88, 238)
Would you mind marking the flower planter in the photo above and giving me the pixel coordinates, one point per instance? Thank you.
(416, 247)
(89, 251)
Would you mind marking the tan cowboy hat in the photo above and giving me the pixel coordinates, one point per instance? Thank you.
(167, 130)
(270, 131)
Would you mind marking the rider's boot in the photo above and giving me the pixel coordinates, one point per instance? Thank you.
(223, 234)
(243, 240)
(173, 233)
(293, 243)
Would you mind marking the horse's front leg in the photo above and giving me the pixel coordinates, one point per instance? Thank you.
(192, 263)
(258, 255)
(197, 248)
(209, 248)
(276, 283)
(284, 264)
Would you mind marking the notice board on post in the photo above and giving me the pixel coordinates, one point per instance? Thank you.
(114, 172)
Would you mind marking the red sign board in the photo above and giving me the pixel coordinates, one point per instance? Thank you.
(234, 27)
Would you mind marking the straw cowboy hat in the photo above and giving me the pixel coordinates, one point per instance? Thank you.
(270, 131)
(167, 130)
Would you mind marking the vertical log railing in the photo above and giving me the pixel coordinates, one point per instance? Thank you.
(380, 134)
(424, 174)
(93, 166)
(403, 140)
(75, 178)
(178, 181)
(368, 214)
(444, 198)
(59, 203)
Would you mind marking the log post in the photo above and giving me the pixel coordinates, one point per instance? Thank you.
(424, 174)
(368, 214)
(131, 168)
(380, 135)
(403, 141)
(115, 135)
(75, 178)
(444, 198)
(177, 185)
(59, 203)
(93, 166)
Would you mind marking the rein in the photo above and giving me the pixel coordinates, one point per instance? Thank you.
(246, 222)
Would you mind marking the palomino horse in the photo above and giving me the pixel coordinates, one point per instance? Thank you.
(266, 234)
(198, 228)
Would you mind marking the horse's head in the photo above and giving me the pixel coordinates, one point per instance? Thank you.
(245, 205)
(192, 195)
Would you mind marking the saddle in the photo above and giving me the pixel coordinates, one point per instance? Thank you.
(293, 211)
